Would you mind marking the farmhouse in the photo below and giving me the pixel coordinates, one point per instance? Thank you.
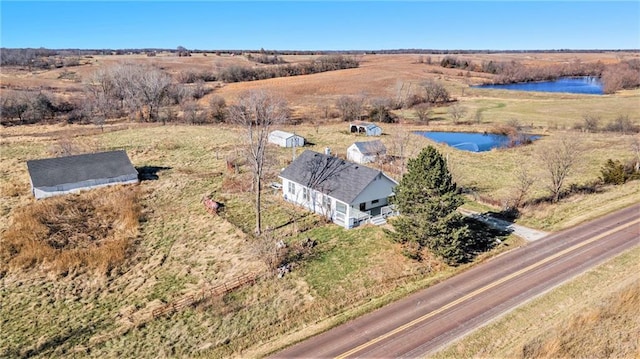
(286, 139)
(365, 152)
(347, 193)
(56, 176)
(365, 128)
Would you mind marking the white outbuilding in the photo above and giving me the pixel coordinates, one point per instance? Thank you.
(365, 152)
(286, 139)
(70, 174)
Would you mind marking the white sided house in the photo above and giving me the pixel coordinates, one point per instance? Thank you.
(365, 128)
(365, 152)
(56, 176)
(286, 139)
(348, 193)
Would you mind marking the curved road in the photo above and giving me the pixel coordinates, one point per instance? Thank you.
(431, 318)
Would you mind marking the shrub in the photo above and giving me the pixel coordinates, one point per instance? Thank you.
(622, 124)
(615, 172)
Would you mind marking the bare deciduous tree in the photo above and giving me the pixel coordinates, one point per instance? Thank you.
(136, 88)
(591, 122)
(558, 158)
(150, 88)
(350, 107)
(423, 112)
(477, 117)
(192, 113)
(435, 92)
(199, 90)
(622, 124)
(379, 110)
(524, 179)
(403, 94)
(399, 151)
(217, 108)
(256, 112)
(457, 112)
(13, 105)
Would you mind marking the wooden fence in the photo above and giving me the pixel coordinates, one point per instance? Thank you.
(205, 292)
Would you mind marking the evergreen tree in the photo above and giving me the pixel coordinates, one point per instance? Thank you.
(427, 199)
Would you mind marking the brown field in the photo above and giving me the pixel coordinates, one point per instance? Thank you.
(177, 248)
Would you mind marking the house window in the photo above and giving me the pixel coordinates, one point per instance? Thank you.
(341, 207)
(363, 207)
(305, 193)
(375, 201)
(326, 202)
(292, 188)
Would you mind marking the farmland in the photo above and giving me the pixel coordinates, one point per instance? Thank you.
(179, 249)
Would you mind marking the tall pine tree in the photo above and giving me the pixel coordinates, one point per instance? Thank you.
(427, 199)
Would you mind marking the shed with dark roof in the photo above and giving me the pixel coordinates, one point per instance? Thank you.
(69, 174)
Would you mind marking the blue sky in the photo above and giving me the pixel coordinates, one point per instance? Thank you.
(335, 25)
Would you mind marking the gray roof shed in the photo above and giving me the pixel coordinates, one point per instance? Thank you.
(371, 147)
(81, 171)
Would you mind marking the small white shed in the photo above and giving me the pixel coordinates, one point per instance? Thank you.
(286, 139)
(365, 152)
(365, 128)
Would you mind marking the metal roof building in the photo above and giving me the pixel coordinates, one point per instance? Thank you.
(286, 139)
(61, 175)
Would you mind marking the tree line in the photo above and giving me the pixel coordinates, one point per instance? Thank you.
(614, 77)
(322, 64)
(146, 93)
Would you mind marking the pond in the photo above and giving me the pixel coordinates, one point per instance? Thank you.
(472, 141)
(580, 85)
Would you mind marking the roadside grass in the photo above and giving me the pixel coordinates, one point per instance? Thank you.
(595, 315)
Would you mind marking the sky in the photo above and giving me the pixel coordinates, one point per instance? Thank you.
(321, 25)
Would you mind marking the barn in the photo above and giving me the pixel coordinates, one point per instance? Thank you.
(286, 139)
(365, 128)
(365, 152)
(56, 176)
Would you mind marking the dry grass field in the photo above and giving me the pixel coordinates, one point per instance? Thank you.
(175, 248)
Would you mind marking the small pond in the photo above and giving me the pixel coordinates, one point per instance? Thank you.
(580, 85)
(471, 141)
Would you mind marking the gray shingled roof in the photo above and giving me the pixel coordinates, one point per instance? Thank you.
(371, 147)
(50, 172)
(336, 177)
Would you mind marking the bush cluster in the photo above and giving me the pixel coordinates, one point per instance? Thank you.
(322, 64)
(32, 107)
(615, 172)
